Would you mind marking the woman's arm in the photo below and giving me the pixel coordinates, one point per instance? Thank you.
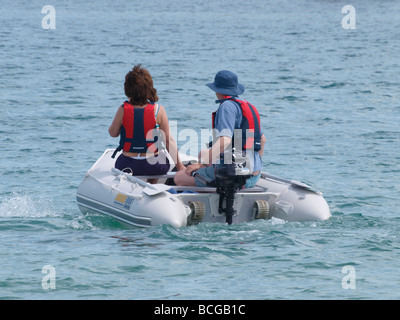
(169, 141)
(115, 129)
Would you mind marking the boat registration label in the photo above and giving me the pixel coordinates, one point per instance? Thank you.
(123, 201)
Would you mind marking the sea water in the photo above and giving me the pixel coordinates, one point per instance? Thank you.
(326, 84)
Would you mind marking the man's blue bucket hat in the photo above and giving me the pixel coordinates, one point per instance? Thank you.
(226, 82)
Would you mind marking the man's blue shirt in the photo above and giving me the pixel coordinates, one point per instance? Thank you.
(228, 118)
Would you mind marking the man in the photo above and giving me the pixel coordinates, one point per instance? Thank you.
(234, 116)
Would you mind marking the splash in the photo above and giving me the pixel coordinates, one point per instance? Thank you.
(23, 205)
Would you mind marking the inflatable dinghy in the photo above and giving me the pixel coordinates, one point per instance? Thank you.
(133, 201)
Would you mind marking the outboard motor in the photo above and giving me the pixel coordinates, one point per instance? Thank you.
(229, 177)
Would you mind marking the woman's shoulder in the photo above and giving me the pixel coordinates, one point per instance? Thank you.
(126, 102)
(159, 108)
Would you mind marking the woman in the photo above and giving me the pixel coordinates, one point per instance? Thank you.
(140, 122)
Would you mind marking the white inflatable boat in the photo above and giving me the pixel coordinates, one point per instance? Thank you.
(135, 202)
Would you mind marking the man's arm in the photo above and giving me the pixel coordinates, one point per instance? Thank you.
(210, 156)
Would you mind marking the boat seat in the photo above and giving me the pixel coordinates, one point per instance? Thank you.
(195, 188)
(214, 190)
(158, 176)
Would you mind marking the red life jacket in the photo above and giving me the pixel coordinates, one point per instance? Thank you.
(250, 123)
(137, 129)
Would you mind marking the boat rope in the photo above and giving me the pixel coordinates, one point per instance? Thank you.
(138, 197)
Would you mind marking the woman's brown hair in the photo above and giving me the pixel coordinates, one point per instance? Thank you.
(139, 86)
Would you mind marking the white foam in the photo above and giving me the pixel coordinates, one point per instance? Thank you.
(276, 221)
(23, 205)
(81, 223)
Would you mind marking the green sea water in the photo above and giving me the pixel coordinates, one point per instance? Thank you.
(330, 106)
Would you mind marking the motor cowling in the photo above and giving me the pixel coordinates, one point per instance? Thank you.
(233, 174)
